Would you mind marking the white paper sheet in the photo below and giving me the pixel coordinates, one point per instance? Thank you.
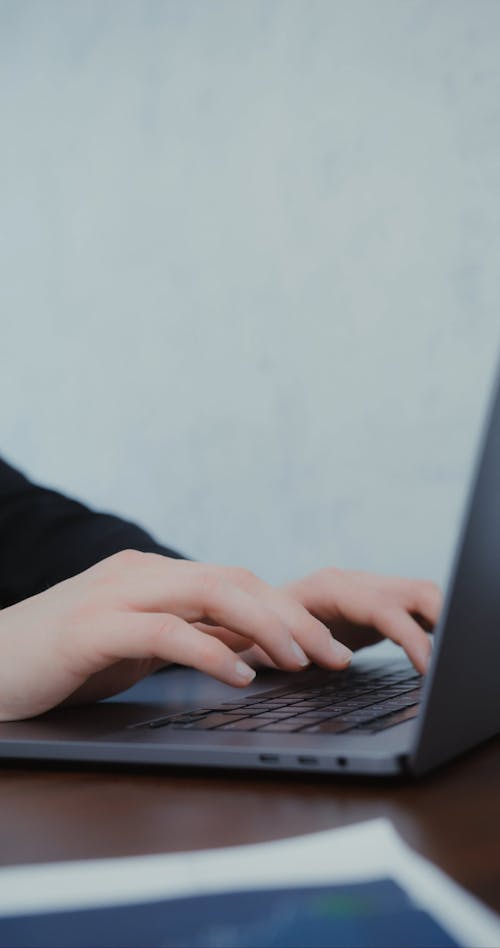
(364, 851)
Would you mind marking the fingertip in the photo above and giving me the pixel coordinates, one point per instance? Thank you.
(422, 658)
(341, 654)
(244, 673)
(300, 655)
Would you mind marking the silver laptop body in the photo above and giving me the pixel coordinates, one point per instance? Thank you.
(459, 705)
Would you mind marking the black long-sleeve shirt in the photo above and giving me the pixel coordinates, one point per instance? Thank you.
(46, 537)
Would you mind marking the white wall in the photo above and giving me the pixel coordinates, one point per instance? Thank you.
(249, 276)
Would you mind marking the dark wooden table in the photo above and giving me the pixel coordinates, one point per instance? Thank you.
(452, 816)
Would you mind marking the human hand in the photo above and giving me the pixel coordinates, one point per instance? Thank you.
(102, 630)
(362, 608)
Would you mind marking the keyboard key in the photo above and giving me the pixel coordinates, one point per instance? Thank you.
(210, 721)
(192, 716)
(292, 724)
(167, 719)
(278, 714)
(304, 695)
(312, 705)
(158, 722)
(235, 706)
(316, 716)
(364, 714)
(354, 704)
(268, 708)
(279, 702)
(390, 720)
(416, 694)
(394, 704)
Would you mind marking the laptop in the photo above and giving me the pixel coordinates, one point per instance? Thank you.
(379, 717)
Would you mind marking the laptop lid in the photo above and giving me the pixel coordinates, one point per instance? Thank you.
(461, 698)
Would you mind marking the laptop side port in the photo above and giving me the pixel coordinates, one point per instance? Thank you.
(269, 758)
(307, 761)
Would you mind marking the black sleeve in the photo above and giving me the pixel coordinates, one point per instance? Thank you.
(46, 537)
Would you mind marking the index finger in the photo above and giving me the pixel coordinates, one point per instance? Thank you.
(396, 624)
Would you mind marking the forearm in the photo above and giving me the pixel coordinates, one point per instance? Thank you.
(46, 537)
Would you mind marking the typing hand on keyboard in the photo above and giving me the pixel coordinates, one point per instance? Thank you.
(361, 608)
(102, 630)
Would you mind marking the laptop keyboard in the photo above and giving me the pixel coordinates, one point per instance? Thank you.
(353, 701)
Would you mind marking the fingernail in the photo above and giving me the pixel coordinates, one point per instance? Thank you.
(244, 672)
(299, 653)
(341, 652)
